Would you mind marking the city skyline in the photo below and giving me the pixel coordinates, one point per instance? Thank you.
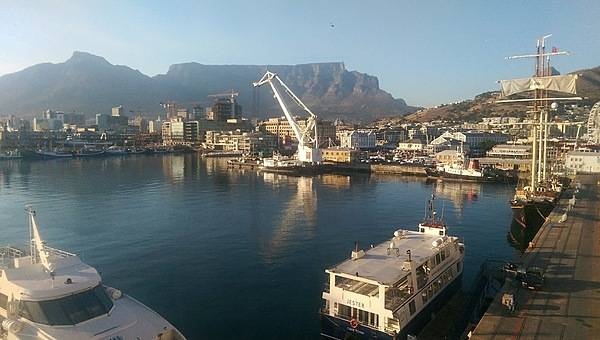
(426, 53)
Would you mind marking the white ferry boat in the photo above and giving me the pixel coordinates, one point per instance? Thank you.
(389, 291)
(47, 293)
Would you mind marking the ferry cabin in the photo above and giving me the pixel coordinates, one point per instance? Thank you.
(390, 290)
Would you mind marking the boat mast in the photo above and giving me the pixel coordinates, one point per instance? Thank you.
(37, 244)
(539, 131)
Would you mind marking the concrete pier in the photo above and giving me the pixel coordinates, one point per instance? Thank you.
(567, 247)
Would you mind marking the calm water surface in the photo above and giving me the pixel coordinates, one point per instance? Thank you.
(227, 253)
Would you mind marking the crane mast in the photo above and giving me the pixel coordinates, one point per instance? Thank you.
(308, 148)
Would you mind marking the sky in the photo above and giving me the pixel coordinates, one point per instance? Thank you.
(425, 52)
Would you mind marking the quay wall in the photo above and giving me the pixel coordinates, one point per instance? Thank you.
(567, 248)
(396, 169)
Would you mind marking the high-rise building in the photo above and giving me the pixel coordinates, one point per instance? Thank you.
(224, 109)
(117, 111)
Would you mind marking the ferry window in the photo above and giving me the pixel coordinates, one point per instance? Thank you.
(344, 311)
(363, 316)
(412, 307)
(68, 310)
(3, 301)
(438, 258)
(374, 320)
(441, 233)
(443, 252)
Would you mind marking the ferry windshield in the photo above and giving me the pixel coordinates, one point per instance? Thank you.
(68, 310)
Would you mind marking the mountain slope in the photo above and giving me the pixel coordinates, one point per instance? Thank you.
(483, 105)
(90, 84)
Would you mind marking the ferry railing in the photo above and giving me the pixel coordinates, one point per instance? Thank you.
(58, 252)
(8, 253)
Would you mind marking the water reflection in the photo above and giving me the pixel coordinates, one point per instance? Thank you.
(336, 181)
(457, 192)
(174, 167)
(297, 219)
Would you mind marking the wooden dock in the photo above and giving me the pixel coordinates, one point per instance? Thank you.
(568, 304)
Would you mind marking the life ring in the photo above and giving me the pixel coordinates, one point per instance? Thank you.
(353, 323)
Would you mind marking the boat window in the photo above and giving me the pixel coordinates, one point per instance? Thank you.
(344, 311)
(356, 286)
(412, 307)
(3, 301)
(68, 310)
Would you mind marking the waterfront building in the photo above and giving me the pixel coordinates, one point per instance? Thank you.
(191, 133)
(444, 143)
(447, 156)
(515, 151)
(281, 128)
(582, 162)
(340, 155)
(389, 137)
(357, 139)
(246, 142)
(474, 139)
(173, 132)
(411, 145)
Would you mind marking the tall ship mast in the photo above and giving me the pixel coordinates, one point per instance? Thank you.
(533, 202)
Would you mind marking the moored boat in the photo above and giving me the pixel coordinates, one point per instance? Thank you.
(57, 153)
(390, 290)
(47, 293)
(11, 154)
(466, 169)
(116, 150)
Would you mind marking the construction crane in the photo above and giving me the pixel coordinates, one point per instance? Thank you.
(308, 148)
(231, 94)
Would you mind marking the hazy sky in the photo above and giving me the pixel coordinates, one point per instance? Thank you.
(427, 52)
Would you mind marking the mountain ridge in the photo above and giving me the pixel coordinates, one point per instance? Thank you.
(90, 84)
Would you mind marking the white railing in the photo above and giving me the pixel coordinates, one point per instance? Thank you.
(8, 254)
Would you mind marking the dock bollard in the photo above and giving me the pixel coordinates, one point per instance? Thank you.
(563, 218)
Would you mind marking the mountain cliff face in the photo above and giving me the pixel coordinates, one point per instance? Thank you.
(89, 84)
(588, 84)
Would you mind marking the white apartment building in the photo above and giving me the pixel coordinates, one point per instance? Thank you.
(358, 139)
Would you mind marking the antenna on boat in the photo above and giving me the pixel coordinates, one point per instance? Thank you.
(443, 208)
(37, 244)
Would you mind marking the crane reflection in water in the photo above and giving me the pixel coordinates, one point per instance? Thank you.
(297, 220)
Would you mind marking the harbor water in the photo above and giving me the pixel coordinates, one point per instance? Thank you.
(232, 253)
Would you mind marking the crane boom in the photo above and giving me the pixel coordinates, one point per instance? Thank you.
(308, 148)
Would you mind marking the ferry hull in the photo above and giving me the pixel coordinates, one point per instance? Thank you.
(336, 328)
(528, 217)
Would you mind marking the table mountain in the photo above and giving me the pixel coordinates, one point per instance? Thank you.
(90, 84)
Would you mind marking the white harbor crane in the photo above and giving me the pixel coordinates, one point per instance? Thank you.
(308, 148)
